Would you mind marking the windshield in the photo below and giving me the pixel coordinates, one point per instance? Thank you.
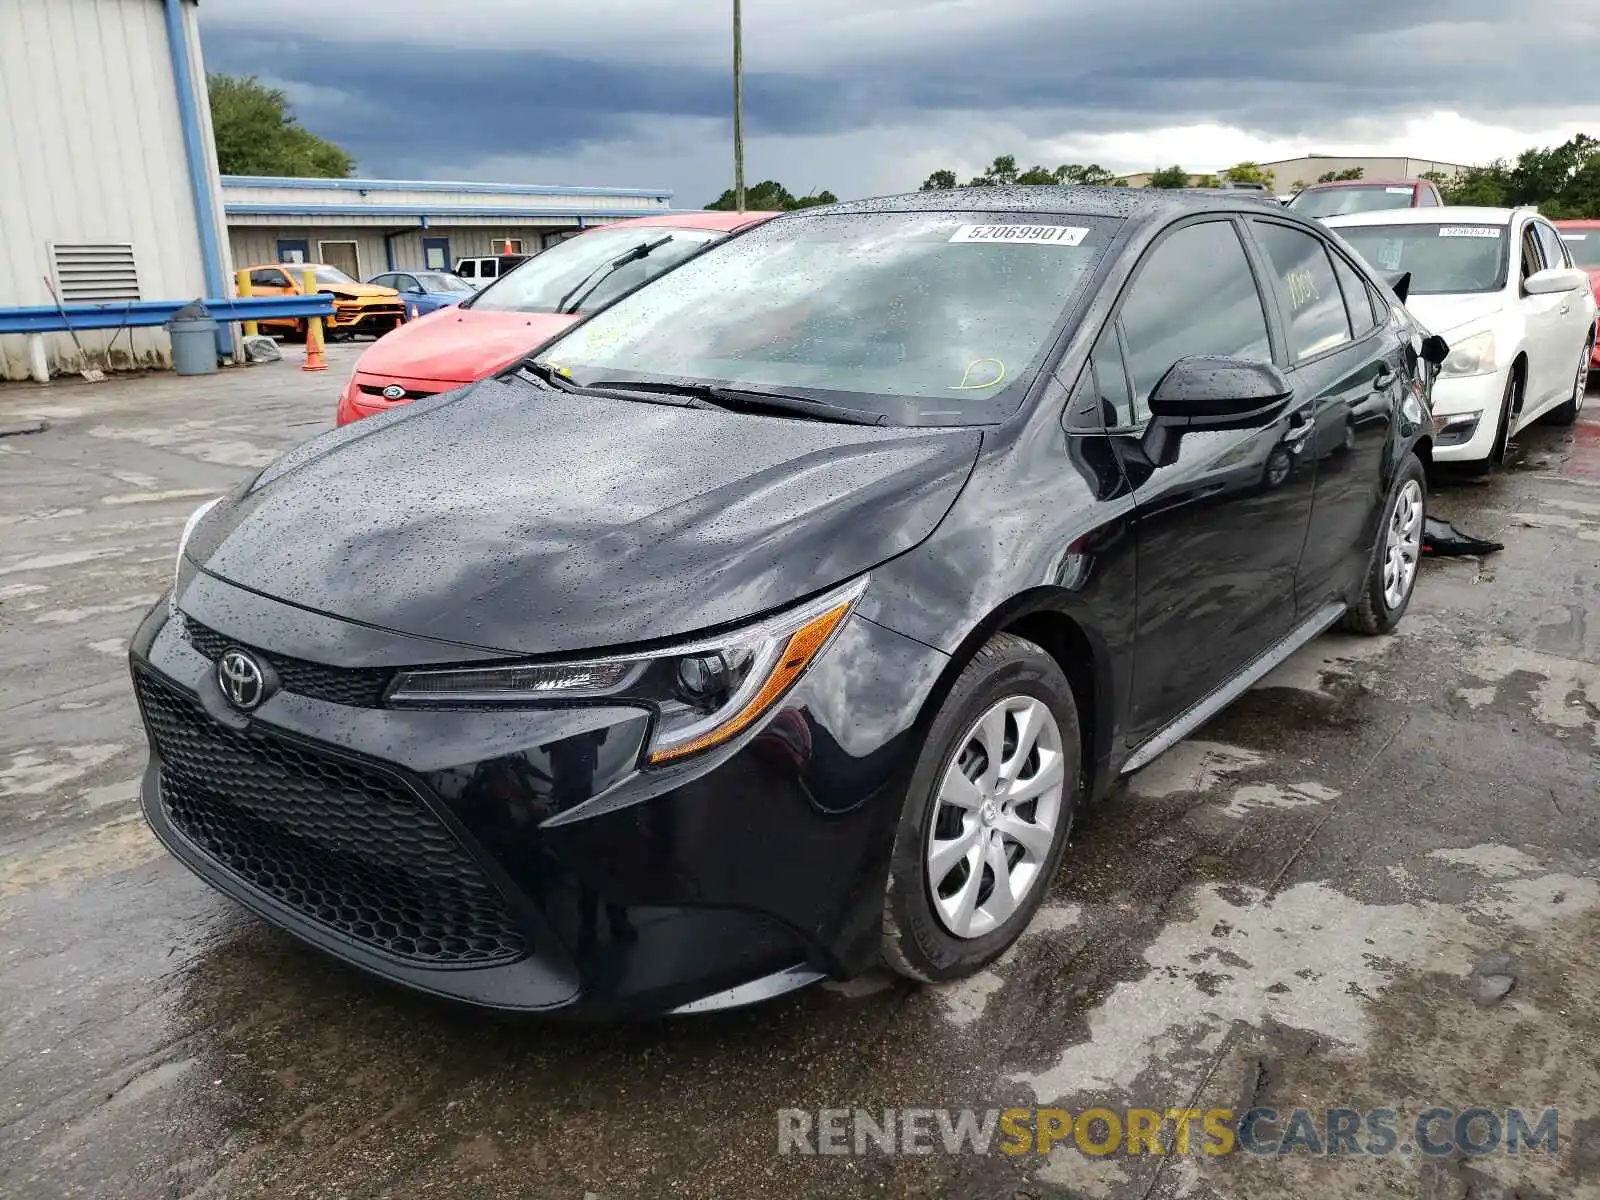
(1335, 202)
(577, 273)
(924, 318)
(433, 281)
(1583, 245)
(332, 275)
(1442, 259)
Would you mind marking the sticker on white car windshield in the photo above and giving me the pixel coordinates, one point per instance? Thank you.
(1574, 237)
(1034, 235)
(1398, 191)
(1483, 231)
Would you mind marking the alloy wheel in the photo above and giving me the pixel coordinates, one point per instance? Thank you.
(995, 817)
(1581, 387)
(1402, 545)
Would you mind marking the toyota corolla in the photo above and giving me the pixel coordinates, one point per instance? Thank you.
(779, 619)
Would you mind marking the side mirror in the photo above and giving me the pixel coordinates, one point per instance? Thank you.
(1400, 285)
(1435, 349)
(1553, 280)
(1207, 391)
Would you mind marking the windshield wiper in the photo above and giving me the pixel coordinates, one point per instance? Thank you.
(675, 397)
(585, 287)
(749, 400)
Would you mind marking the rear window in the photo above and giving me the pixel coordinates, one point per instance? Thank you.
(1444, 259)
(926, 318)
(1336, 202)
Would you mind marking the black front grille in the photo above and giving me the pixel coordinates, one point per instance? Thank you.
(358, 687)
(343, 844)
(411, 393)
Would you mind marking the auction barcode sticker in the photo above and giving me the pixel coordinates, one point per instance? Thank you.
(1483, 231)
(1574, 237)
(1398, 191)
(1034, 235)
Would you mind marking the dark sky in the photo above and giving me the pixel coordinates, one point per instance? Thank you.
(868, 96)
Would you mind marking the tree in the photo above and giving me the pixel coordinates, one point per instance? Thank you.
(1487, 185)
(1003, 172)
(771, 196)
(1170, 177)
(1248, 172)
(257, 134)
(1341, 176)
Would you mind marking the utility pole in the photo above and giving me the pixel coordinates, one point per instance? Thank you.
(738, 109)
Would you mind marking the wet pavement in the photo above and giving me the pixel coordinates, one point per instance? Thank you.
(1373, 882)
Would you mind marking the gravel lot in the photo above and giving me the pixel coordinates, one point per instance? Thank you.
(1316, 903)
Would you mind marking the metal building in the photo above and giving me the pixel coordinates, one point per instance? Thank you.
(367, 226)
(108, 183)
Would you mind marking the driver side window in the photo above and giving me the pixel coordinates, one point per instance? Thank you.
(1195, 294)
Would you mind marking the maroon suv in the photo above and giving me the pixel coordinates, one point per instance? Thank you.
(1364, 195)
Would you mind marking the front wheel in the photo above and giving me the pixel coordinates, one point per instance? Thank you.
(986, 816)
(1392, 577)
(1567, 412)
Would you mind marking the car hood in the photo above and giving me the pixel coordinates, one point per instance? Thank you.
(1441, 314)
(511, 518)
(358, 291)
(459, 345)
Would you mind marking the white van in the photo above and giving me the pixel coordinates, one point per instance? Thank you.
(479, 271)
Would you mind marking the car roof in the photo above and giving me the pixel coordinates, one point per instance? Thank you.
(286, 266)
(1409, 184)
(1443, 215)
(1063, 199)
(1577, 223)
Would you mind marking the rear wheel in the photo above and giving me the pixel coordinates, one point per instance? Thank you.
(1567, 412)
(986, 816)
(1392, 577)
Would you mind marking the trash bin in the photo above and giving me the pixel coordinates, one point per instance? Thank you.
(194, 340)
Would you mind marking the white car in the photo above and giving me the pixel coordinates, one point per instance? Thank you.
(1500, 286)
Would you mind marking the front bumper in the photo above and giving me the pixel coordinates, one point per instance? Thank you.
(521, 859)
(1466, 412)
(363, 395)
(376, 318)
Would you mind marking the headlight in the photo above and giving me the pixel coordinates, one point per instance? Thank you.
(1471, 355)
(183, 540)
(703, 693)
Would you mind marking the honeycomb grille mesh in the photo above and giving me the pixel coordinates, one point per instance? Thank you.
(343, 845)
(357, 687)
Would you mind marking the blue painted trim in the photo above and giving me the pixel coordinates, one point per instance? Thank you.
(199, 160)
(434, 185)
(437, 213)
(138, 314)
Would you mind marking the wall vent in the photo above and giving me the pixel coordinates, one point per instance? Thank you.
(95, 273)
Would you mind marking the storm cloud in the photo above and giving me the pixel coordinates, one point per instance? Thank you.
(621, 87)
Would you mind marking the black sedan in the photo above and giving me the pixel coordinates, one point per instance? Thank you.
(779, 619)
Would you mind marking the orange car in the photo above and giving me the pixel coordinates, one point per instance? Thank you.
(357, 307)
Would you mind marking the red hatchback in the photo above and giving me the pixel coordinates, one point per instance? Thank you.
(526, 307)
(1582, 240)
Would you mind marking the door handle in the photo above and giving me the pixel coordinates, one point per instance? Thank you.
(1382, 379)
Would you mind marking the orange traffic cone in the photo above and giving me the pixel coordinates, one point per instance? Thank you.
(508, 249)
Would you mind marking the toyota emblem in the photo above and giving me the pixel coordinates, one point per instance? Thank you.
(243, 683)
(393, 392)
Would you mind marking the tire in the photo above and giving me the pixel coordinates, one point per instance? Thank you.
(1509, 401)
(1379, 610)
(921, 913)
(1567, 413)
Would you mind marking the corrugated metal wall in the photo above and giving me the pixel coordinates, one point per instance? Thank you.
(91, 151)
(253, 245)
